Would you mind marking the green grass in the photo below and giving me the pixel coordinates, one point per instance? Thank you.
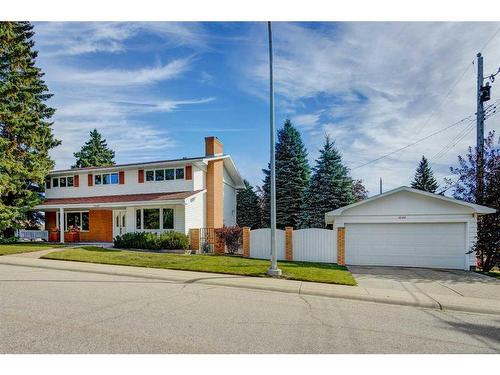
(25, 247)
(319, 272)
(493, 273)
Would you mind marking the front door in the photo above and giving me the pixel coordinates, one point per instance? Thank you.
(120, 222)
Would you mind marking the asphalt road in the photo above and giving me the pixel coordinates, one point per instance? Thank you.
(53, 311)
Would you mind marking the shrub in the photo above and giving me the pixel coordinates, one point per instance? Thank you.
(8, 240)
(151, 241)
(232, 238)
(172, 240)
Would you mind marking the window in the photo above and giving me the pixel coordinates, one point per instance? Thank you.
(151, 218)
(165, 174)
(169, 174)
(63, 181)
(106, 179)
(179, 174)
(138, 221)
(168, 218)
(154, 218)
(76, 219)
(159, 175)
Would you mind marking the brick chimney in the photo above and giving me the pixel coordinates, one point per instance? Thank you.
(213, 146)
(214, 181)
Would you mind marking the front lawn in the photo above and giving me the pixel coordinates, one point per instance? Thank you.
(319, 272)
(26, 247)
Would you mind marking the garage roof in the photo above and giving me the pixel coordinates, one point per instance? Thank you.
(478, 209)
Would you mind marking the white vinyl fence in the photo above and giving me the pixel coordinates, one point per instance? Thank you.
(260, 243)
(33, 235)
(315, 245)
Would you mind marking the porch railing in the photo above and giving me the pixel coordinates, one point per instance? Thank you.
(33, 235)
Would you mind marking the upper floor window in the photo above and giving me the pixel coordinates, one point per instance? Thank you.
(165, 174)
(62, 181)
(106, 179)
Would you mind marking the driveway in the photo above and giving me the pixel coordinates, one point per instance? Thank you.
(427, 280)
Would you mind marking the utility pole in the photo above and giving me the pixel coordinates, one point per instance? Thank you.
(273, 270)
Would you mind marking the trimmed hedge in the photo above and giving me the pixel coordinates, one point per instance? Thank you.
(169, 240)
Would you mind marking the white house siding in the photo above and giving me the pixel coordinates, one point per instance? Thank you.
(260, 243)
(195, 212)
(131, 185)
(199, 178)
(229, 193)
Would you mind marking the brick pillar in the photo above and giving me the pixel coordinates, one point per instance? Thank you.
(341, 246)
(289, 243)
(246, 242)
(194, 239)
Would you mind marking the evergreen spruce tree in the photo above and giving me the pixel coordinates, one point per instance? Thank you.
(94, 153)
(292, 178)
(247, 207)
(329, 189)
(424, 177)
(25, 127)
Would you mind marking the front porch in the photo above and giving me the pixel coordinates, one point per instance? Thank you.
(101, 219)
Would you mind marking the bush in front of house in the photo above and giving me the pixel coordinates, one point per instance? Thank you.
(170, 240)
(8, 240)
(232, 237)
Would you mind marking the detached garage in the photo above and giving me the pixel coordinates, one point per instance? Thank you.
(407, 227)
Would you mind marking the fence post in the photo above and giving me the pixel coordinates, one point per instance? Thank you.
(194, 239)
(289, 243)
(341, 246)
(246, 242)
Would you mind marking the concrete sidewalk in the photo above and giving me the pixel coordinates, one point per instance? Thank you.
(389, 296)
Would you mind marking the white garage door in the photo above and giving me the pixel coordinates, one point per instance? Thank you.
(440, 245)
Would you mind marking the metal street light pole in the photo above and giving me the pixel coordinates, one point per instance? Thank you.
(274, 270)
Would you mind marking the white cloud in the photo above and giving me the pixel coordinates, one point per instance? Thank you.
(120, 77)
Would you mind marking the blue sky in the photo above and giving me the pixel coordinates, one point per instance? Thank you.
(155, 90)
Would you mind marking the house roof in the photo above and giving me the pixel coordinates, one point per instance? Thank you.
(150, 197)
(476, 207)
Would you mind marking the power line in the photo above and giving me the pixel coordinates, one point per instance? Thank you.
(468, 118)
(489, 40)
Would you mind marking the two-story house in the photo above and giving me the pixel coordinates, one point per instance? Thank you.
(178, 194)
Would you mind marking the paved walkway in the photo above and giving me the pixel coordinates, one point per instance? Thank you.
(363, 292)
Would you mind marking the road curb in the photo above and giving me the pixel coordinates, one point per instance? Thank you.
(255, 283)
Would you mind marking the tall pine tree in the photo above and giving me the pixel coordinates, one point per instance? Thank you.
(292, 178)
(424, 177)
(330, 187)
(94, 153)
(25, 127)
(247, 207)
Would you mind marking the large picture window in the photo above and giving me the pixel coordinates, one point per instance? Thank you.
(78, 220)
(151, 218)
(154, 218)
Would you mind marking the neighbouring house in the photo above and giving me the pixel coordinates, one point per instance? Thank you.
(157, 196)
(407, 227)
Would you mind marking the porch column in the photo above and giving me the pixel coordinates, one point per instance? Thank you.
(61, 224)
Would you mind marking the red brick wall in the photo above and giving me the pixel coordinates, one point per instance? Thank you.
(100, 225)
